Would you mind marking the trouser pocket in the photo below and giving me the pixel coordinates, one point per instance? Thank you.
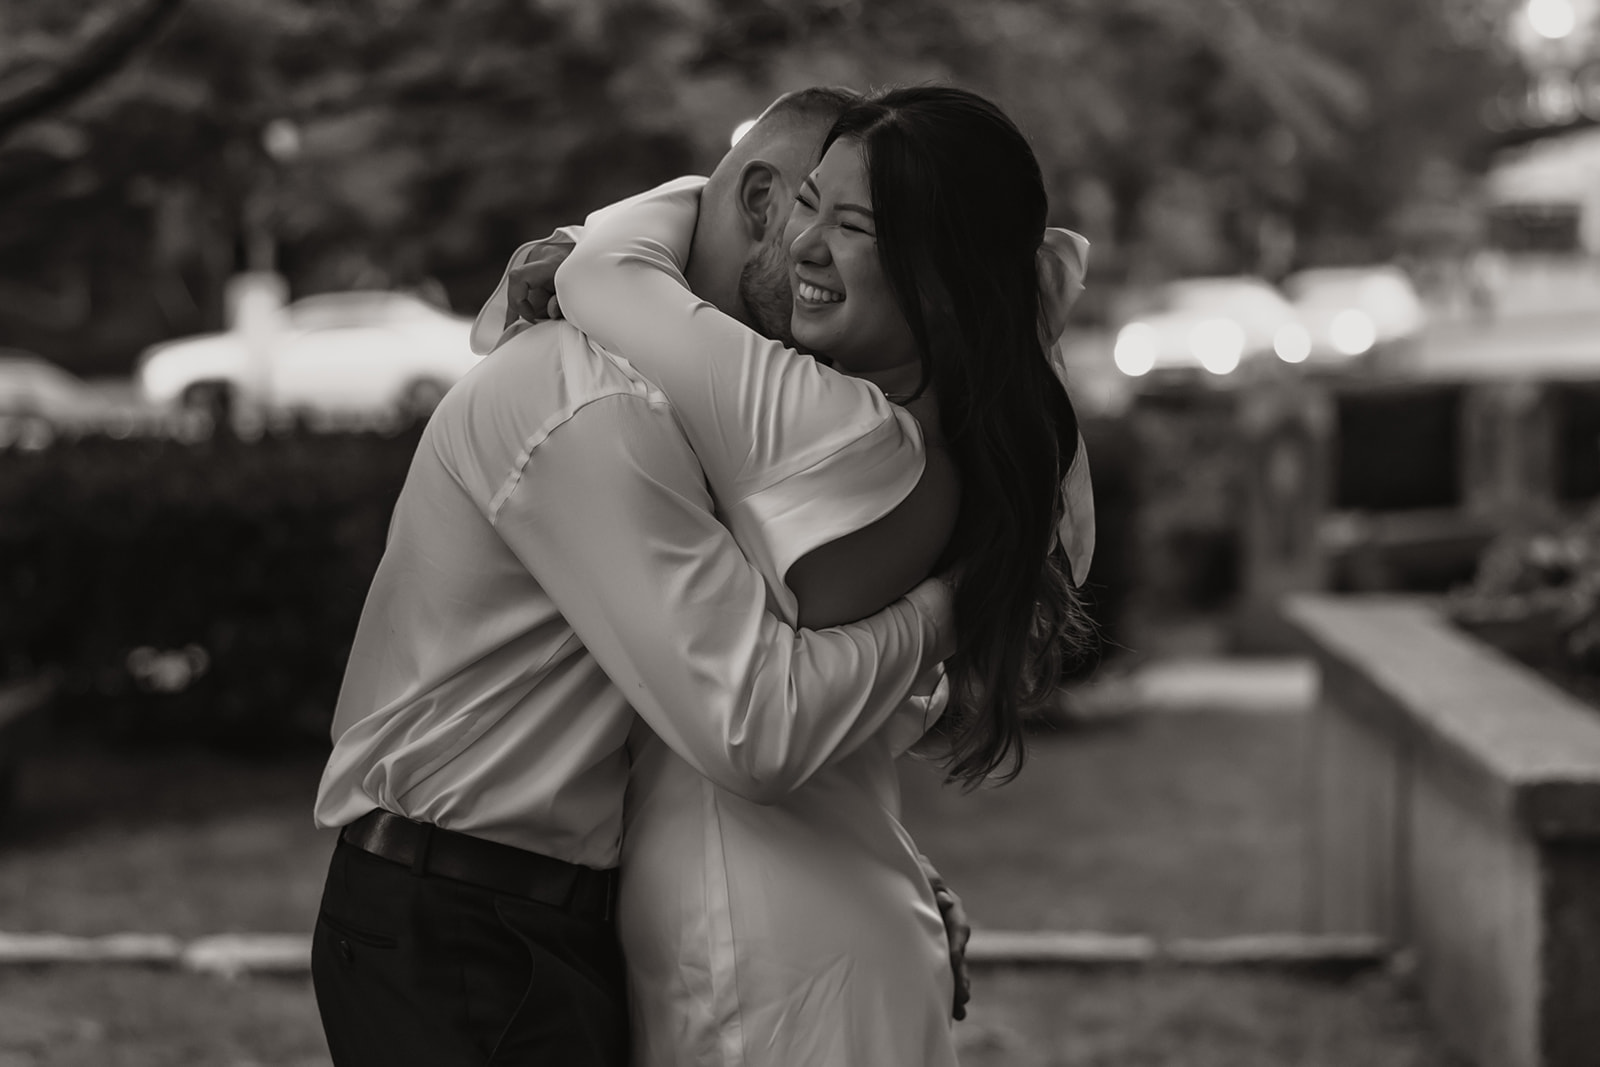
(573, 1008)
(350, 932)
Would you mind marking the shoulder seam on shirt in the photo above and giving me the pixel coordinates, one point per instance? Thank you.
(538, 437)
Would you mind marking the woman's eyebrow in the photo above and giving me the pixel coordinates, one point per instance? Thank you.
(811, 187)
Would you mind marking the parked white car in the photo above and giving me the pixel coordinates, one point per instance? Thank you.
(1355, 312)
(1195, 329)
(343, 354)
(41, 402)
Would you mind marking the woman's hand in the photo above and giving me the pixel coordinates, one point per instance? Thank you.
(957, 931)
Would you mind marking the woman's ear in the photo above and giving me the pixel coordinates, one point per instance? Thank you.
(759, 189)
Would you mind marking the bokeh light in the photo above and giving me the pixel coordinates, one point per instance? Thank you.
(1218, 344)
(1352, 332)
(1292, 343)
(1552, 19)
(1135, 351)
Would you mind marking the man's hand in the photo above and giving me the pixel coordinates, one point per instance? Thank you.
(531, 286)
(957, 932)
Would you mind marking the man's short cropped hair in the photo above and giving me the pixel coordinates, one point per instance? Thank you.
(820, 102)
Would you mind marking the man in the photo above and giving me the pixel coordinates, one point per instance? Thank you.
(554, 566)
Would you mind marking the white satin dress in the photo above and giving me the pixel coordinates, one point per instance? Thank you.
(801, 933)
(783, 935)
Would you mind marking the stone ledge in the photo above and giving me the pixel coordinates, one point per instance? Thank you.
(235, 955)
(1060, 947)
(228, 955)
(1535, 747)
(232, 955)
(33, 949)
(1088, 949)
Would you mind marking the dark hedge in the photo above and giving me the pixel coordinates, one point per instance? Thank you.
(136, 567)
(210, 591)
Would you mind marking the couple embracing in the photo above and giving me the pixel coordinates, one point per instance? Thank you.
(614, 759)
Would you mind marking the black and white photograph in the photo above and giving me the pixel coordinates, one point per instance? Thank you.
(800, 533)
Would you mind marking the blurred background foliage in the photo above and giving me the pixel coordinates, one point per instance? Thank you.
(194, 592)
(150, 148)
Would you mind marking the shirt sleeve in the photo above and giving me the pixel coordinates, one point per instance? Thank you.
(611, 515)
(756, 412)
(489, 329)
(917, 714)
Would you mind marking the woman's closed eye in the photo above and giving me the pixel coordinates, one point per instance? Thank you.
(808, 199)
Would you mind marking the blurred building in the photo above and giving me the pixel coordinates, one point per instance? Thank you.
(1545, 196)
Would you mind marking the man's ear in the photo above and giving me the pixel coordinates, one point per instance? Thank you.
(759, 189)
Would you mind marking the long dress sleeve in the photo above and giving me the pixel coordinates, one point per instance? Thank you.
(796, 454)
(660, 595)
(757, 413)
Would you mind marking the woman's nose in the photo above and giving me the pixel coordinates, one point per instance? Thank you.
(809, 247)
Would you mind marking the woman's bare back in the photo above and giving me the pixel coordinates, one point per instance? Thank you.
(864, 571)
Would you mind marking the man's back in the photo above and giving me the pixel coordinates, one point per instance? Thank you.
(461, 659)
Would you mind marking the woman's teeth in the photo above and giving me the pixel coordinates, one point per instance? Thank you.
(818, 295)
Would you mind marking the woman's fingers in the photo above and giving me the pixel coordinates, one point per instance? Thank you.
(959, 932)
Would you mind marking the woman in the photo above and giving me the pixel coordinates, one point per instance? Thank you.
(805, 932)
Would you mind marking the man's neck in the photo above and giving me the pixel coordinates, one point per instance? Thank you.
(708, 278)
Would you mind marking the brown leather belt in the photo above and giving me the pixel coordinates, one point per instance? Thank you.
(427, 849)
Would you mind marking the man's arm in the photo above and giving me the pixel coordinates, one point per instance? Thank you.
(611, 515)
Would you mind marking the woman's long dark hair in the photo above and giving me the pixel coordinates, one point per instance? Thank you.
(959, 205)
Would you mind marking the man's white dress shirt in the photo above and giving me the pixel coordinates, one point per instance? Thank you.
(553, 566)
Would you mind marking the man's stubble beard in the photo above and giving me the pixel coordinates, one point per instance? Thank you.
(764, 292)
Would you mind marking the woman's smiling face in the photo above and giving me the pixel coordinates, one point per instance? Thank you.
(844, 307)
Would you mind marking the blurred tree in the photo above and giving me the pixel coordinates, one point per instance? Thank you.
(1170, 130)
(1190, 113)
(388, 142)
(41, 85)
(426, 138)
(1435, 65)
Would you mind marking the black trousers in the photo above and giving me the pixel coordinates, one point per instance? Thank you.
(418, 969)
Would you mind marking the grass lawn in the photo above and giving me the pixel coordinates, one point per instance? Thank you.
(179, 843)
(128, 1017)
(1178, 1018)
(131, 1017)
(1186, 825)
(1176, 825)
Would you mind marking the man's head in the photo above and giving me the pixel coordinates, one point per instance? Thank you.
(738, 261)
